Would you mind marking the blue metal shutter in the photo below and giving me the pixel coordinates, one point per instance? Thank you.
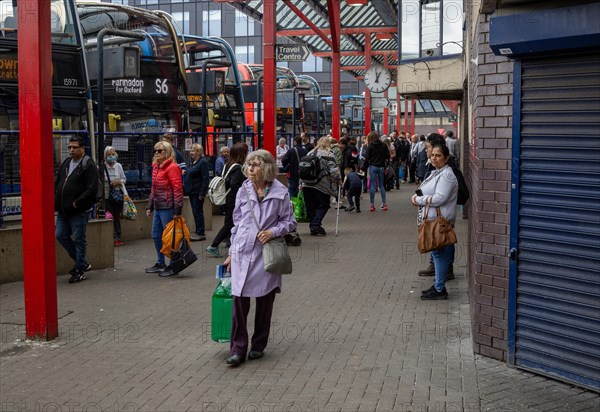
(557, 326)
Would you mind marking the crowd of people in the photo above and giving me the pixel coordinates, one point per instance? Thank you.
(342, 170)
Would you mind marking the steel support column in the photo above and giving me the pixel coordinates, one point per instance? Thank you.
(37, 176)
(270, 100)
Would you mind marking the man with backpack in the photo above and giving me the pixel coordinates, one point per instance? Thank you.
(291, 162)
(75, 192)
(320, 176)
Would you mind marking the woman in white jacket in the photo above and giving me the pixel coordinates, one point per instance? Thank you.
(115, 172)
(440, 189)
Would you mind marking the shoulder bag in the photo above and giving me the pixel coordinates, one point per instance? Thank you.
(435, 234)
(184, 256)
(276, 258)
(114, 194)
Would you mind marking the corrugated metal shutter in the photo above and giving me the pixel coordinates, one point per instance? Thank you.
(558, 265)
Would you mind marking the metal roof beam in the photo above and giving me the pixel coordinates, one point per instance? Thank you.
(345, 30)
(386, 11)
(310, 24)
(356, 53)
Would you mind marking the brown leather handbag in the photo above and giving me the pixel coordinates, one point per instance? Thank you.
(435, 234)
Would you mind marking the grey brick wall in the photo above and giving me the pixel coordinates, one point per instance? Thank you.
(489, 168)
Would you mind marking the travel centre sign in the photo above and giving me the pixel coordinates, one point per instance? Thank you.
(291, 53)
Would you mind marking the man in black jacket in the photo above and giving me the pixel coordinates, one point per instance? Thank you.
(74, 196)
(291, 162)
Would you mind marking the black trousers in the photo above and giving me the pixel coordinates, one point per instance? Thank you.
(115, 209)
(225, 232)
(262, 324)
(317, 205)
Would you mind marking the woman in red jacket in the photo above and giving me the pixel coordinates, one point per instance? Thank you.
(166, 200)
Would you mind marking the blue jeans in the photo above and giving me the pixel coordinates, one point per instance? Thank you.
(293, 183)
(198, 211)
(441, 260)
(376, 177)
(160, 218)
(70, 233)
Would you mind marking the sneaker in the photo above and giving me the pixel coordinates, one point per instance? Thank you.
(427, 290)
(429, 271)
(167, 272)
(318, 231)
(214, 251)
(435, 295)
(119, 242)
(384, 207)
(372, 208)
(87, 268)
(357, 210)
(157, 268)
(350, 209)
(195, 237)
(77, 276)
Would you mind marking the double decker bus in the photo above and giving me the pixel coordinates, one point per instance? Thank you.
(154, 98)
(70, 104)
(217, 113)
(289, 95)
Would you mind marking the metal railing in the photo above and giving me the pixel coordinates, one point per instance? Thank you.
(135, 152)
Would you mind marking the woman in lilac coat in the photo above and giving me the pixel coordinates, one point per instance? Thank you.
(271, 204)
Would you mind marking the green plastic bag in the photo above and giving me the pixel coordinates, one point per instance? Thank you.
(222, 309)
(299, 208)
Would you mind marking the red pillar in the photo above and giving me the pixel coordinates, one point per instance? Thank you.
(367, 91)
(406, 129)
(412, 116)
(398, 111)
(386, 117)
(37, 176)
(270, 101)
(335, 95)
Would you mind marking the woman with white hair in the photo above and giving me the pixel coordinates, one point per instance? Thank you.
(282, 149)
(265, 199)
(114, 178)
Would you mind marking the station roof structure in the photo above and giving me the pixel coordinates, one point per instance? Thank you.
(363, 25)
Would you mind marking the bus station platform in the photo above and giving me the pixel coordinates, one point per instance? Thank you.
(349, 333)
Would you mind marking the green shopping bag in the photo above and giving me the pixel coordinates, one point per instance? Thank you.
(299, 208)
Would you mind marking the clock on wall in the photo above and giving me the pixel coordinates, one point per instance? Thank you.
(378, 79)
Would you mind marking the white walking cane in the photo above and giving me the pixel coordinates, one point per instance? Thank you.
(337, 217)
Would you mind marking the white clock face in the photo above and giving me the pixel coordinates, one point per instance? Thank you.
(378, 79)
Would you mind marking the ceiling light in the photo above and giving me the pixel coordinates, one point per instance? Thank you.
(356, 3)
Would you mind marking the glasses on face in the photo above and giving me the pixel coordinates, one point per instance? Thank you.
(74, 147)
(158, 151)
(253, 165)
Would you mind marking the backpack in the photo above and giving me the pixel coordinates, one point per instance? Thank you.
(217, 191)
(310, 168)
(463, 189)
(100, 188)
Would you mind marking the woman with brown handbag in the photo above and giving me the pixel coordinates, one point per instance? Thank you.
(439, 192)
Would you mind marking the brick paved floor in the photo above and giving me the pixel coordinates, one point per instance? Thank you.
(349, 333)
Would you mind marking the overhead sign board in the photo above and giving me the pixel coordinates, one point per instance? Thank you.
(291, 53)
(379, 103)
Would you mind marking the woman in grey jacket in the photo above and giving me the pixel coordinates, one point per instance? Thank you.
(439, 189)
